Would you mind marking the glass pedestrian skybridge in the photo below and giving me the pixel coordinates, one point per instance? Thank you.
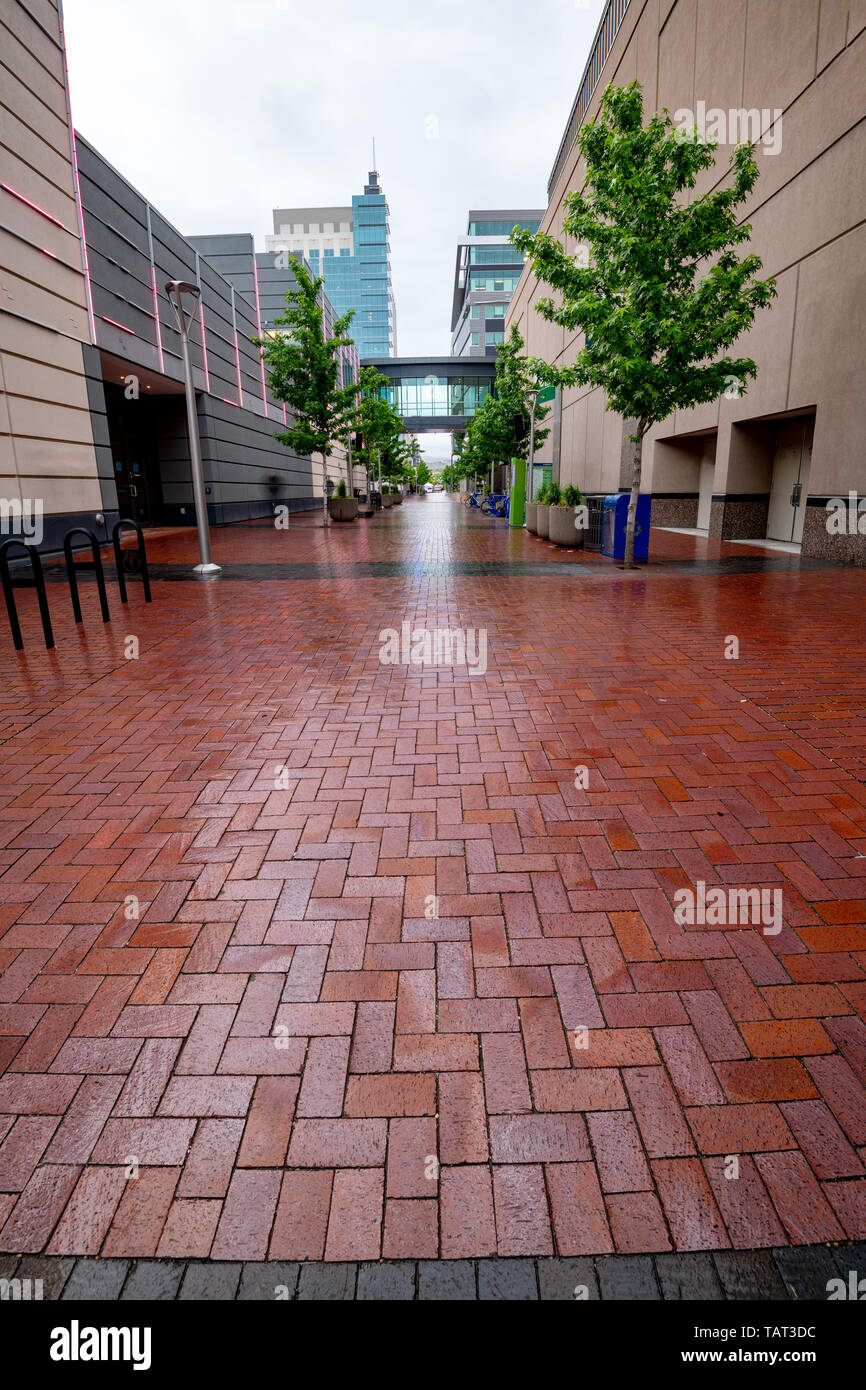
(439, 394)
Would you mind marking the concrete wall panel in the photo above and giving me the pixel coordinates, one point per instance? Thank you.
(46, 439)
(807, 215)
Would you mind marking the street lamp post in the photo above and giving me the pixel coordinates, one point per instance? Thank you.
(176, 289)
(534, 394)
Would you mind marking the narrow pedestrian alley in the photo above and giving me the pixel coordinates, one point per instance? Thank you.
(313, 957)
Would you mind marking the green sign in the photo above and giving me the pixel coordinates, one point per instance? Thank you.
(547, 394)
(542, 474)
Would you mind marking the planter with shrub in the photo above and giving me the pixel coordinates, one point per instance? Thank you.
(531, 521)
(342, 507)
(562, 529)
(542, 510)
(387, 496)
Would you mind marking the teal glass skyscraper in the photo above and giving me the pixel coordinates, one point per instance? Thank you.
(350, 247)
(374, 322)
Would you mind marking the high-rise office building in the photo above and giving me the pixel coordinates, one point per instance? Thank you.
(486, 275)
(350, 248)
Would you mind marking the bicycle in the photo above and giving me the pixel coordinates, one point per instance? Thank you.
(495, 505)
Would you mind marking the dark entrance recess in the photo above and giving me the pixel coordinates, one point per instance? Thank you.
(132, 434)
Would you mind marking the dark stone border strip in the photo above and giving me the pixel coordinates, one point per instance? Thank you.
(463, 569)
(799, 1273)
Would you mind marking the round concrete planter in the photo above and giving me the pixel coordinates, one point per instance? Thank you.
(562, 529)
(543, 518)
(398, 499)
(343, 508)
(388, 499)
(532, 518)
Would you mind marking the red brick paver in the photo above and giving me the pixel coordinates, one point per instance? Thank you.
(304, 956)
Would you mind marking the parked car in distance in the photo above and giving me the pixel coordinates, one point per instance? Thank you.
(428, 487)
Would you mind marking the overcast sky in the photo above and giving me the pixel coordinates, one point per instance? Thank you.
(219, 111)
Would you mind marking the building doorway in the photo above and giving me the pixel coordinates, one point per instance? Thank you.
(792, 459)
(132, 436)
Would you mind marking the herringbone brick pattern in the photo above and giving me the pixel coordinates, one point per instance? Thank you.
(307, 957)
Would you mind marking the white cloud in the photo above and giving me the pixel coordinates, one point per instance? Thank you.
(219, 111)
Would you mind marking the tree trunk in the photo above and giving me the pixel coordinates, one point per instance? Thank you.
(637, 460)
(326, 516)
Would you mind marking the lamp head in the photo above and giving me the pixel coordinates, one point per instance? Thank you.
(180, 287)
(176, 289)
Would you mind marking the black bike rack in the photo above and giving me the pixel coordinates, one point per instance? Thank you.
(94, 564)
(139, 551)
(37, 582)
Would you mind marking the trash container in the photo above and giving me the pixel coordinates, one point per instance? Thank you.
(614, 523)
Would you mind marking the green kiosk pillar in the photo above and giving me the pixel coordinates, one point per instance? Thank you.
(517, 509)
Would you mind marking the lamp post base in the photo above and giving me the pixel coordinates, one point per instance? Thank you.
(207, 569)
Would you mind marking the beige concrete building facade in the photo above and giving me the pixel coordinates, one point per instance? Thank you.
(790, 75)
(47, 452)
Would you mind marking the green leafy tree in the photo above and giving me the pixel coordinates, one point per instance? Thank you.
(499, 431)
(463, 460)
(486, 437)
(304, 371)
(374, 418)
(397, 456)
(656, 285)
(451, 477)
(516, 376)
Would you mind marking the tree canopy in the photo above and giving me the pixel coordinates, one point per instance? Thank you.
(499, 431)
(652, 278)
(304, 369)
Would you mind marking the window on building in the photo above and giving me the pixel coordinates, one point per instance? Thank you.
(496, 311)
(501, 228)
(491, 284)
(475, 339)
(494, 255)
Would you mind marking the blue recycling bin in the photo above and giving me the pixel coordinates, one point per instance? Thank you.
(614, 520)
